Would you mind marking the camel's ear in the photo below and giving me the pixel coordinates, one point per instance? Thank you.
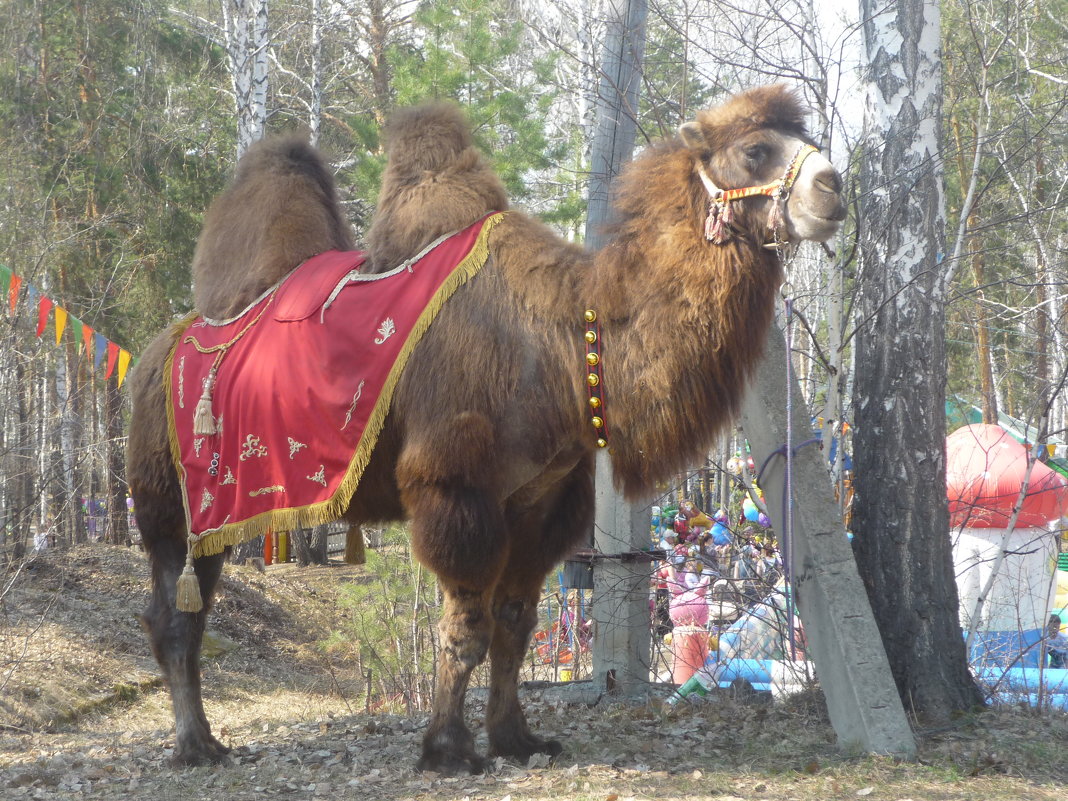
(693, 136)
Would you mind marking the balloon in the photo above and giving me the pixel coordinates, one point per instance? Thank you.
(721, 515)
(721, 535)
(749, 509)
(763, 520)
(701, 520)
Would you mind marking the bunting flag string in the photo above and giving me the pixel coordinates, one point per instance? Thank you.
(98, 347)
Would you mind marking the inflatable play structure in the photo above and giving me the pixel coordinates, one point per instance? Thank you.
(985, 471)
(755, 653)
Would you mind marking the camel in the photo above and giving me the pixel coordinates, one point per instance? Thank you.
(489, 445)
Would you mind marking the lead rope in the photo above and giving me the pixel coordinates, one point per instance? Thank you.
(788, 496)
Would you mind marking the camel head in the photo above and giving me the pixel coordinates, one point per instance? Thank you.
(761, 171)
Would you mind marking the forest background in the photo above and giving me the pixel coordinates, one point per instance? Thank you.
(120, 120)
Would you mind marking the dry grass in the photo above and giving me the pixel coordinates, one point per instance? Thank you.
(81, 716)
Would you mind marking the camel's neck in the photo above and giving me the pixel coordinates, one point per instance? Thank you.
(683, 321)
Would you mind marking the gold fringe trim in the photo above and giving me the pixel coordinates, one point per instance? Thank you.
(214, 541)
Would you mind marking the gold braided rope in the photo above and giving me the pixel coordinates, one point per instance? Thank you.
(203, 417)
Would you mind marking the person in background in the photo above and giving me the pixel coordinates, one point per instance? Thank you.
(1056, 643)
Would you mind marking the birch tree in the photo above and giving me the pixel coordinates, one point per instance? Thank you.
(245, 31)
(901, 519)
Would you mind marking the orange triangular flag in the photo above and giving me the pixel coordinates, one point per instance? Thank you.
(61, 322)
(13, 292)
(124, 363)
(87, 338)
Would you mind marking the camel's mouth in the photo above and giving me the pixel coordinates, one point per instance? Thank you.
(815, 224)
(817, 206)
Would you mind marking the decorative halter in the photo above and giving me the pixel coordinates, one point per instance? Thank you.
(720, 215)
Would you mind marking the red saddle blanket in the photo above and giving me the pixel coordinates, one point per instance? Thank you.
(303, 382)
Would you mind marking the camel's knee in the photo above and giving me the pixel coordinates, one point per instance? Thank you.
(466, 628)
(517, 615)
(466, 646)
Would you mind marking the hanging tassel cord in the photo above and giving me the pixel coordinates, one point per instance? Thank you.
(187, 595)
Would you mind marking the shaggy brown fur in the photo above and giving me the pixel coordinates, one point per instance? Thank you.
(488, 448)
(435, 183)
(280, 210)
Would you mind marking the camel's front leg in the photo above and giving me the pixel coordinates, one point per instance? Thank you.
(176, 637)
(509, 735)
(465, 630)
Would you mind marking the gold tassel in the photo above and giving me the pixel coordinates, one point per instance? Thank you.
(188, 598)
(203, 419)
(354, 547)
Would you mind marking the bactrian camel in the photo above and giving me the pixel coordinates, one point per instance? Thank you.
(547, 354)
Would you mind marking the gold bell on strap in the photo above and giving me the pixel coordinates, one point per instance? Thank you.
(187, 597)
(203, 419)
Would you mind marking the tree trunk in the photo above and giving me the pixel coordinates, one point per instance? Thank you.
(245, 26)
(310, 545)
(319, 540)
(298, 541)
(901, 519)
(117, 528)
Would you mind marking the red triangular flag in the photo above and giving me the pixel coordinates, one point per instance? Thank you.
(113, 356)
(43, 308)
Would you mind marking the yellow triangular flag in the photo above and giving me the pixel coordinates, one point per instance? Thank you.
(124, 364)
(61, 322)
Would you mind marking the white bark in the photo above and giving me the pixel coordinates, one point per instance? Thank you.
(246, 33)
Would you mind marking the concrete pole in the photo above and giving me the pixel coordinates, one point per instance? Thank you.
(621, 638)
(843, 639)
(621, 635)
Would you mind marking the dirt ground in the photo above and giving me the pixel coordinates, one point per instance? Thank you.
(83, 715)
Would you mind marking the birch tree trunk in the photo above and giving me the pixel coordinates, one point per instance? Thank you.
(901, 519)
(245, 29)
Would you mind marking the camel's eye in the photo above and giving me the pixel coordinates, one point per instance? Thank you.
(755, 153)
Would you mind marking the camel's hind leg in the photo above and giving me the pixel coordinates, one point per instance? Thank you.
(176, 638)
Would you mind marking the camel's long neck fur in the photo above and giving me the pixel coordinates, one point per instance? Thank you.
(684, 320)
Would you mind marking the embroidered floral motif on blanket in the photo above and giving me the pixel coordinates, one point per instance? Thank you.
(304, 379)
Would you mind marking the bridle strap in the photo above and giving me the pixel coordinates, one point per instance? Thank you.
(719, 208)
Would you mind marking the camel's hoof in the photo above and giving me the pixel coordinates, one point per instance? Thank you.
(449, 764)
(208, 752)
(523, 748)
